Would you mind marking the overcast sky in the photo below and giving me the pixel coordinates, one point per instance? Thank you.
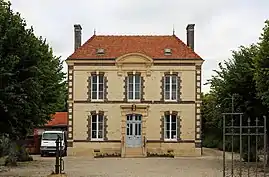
(221, 25)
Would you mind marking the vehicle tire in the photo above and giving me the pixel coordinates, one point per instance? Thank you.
(42, 154)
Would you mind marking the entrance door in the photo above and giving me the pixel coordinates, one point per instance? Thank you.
(133, 130)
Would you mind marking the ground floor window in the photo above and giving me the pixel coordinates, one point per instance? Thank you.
(170, 127)
(97, 127)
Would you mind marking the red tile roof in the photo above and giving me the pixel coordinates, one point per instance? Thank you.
(152, 46)
(59, 118)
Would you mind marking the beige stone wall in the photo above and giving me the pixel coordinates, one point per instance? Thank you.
(152, 81)
(178, 149)
(89, 149)
(152, 74)
(152, 121)
(81, 113)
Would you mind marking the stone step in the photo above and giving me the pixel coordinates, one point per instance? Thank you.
(134, 152)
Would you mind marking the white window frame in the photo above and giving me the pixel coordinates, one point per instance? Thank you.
(134, 82)
(170, 88)
(97, 83)
(170, 130)
(97, 128)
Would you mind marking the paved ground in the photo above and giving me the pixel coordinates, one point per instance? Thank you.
(121, 167)
(209, 165)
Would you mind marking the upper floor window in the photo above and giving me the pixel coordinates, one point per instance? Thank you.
(134, 87)
(97, 127)
(97, 87)
(170, 127)
(170, 87)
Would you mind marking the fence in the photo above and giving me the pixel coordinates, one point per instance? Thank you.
(250, 136)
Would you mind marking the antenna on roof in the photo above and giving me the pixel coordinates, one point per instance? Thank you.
(94, 32)
(173, 29)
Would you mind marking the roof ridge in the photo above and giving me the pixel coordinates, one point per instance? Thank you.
(183, 43)
(85, 43)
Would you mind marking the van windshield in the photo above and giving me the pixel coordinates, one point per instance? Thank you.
(51, 136)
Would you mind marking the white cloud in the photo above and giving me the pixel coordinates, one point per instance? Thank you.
(221, 26)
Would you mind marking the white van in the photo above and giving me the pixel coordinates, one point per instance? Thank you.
(48, 142)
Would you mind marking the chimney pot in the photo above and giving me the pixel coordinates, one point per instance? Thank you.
(77, 35)
(190, 35)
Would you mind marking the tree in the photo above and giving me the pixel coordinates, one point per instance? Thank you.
(235, 77)
(32, 85)
(262, 66)
(211, 129)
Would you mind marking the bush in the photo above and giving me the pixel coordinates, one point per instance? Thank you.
(210, 141)
(17, 153)
(4, 145)
(23, 155)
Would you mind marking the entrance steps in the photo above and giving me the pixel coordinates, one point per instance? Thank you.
(134, 152)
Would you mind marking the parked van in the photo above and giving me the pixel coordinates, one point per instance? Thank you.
(48, 142)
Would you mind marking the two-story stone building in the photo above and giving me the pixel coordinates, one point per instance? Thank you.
(134, 95)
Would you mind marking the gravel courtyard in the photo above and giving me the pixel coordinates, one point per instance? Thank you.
(110, 167)
(206, 166)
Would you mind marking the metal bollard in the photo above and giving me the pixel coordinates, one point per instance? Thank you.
(57, 165)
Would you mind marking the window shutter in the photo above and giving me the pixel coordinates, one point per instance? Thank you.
(105, 132)
(105, 88)
(89, 132)
(178, 128)
(162, 128)
(89, 88)
(162, 89)
(125, 94)
(142, 88)
(178, 88)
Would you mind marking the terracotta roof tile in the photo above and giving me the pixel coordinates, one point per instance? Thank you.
(59, 118)
(152, 46)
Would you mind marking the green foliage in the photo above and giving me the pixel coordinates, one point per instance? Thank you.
(32, 83)
(262, 66)
(245, 76)
(17, 153)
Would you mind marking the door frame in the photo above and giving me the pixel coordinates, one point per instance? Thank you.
(126, 109)
(134, 126)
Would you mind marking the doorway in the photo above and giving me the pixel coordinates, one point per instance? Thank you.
(133, 130)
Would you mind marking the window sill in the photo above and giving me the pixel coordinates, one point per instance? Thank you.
(170, 140)
(97, 140)
(134, 101)
(97, 100)
(174, 101)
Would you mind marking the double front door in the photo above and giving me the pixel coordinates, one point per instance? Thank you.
(133, 130)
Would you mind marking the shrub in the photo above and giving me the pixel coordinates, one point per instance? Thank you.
(17, 153)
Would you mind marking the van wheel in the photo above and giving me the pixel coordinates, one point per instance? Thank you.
(42, 154)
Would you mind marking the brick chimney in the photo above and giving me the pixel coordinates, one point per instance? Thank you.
(77, 34)
(190, 35)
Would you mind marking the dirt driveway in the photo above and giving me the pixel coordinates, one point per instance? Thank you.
(207, 166)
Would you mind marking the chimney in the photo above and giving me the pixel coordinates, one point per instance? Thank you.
(77, 33)
(190, 36)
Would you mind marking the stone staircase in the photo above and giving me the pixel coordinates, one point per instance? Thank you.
(134, 152)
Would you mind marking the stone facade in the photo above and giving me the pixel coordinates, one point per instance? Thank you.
(152, 106)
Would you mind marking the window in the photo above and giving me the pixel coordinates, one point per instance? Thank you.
(170, 87)
(134, 87)
(97, 87)
(170, 127)
(97, 127)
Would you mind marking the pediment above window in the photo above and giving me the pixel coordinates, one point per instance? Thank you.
(134, 62)
(134, 58)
